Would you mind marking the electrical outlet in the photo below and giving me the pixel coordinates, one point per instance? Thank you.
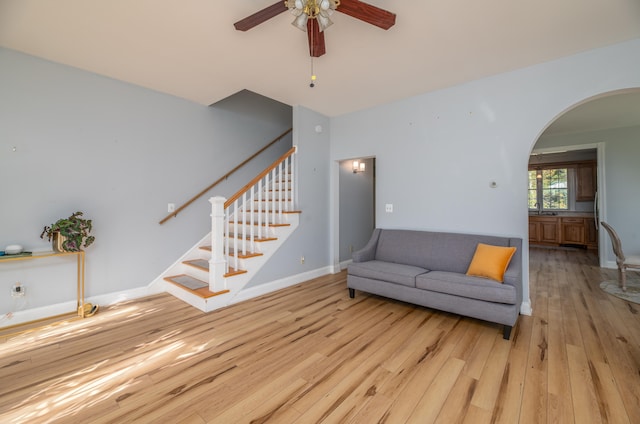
(17, 290)
(388, 207)
(302, 259)
(171, 207)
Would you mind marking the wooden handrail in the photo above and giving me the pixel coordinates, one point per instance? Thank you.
(224, 177)
(261, 175)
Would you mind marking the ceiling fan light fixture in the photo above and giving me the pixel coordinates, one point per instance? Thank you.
(324, 22)
(329, 5)
(296, 7)
(300, 22)
(304, 10)
(320, 10)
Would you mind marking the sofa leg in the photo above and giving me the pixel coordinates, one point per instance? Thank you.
(352, 293)
(506, 332)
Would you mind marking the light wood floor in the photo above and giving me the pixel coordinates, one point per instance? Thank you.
(310, 354)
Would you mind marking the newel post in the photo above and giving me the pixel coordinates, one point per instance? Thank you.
(217, 262)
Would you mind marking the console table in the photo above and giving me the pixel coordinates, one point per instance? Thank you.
(83, 309)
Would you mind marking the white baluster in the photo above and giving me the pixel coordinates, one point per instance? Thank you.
(287, 168)
(272, 196)
(244, 224)
(217, 262)
(260, 189)
(251, 221)
(294, 186)
(280, 192)
(235, 235)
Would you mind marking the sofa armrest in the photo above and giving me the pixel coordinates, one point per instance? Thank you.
(368, 252)
(513, 274)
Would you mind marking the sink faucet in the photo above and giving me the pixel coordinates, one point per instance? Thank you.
(539, 208)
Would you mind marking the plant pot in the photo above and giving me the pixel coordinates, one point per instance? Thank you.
(56, 242)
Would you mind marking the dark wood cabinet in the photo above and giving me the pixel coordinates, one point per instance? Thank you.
(591, 233)
(556, 231)
(534, 231)
(586, 181)
(544, 230)
(572, 231)
(549, 231)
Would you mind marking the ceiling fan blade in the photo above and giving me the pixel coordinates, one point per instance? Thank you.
(260, 16)
(316, 38)
(367, 13)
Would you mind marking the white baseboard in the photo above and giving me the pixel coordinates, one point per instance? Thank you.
(525, 308)
(33, 314)
(272, 286)
(107, 299)
(345, 264)
(43, 312)
(123, 296)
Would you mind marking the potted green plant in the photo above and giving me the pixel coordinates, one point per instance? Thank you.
(69, 234)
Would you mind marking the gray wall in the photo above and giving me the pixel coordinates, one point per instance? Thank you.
(311, 239)
(438, 153)
(621, 177)
(119, 153)
(356, 207)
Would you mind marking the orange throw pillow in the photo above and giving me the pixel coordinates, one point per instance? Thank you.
(490, 261)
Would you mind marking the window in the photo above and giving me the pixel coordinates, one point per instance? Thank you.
(549, 189)
(533, 189)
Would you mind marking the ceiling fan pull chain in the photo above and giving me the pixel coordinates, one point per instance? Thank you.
(313, 75)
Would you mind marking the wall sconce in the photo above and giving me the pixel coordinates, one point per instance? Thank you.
(358, 166)
(539, 174)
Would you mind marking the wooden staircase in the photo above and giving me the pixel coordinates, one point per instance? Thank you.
(246, 232)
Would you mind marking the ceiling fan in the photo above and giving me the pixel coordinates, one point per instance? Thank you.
(312, 16)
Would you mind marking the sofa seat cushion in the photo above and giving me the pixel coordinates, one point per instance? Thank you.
(466, 286)
(387, 271)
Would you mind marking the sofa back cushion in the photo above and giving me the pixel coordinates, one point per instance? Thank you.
(432, 250)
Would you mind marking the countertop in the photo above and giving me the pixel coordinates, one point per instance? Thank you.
(569, 214)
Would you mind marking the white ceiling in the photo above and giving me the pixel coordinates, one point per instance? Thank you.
(190, 49)
(612, 111)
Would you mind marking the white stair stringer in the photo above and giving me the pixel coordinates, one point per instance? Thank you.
(235, 283)
(252, 265)
(160, 285)
(247, 229)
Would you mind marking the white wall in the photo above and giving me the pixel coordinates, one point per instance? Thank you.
(119, 153)
(437, 153)
(621, 181)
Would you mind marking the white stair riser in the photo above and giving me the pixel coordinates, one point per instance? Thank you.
(245, 230)
(263, 213)
(235, 283)
(276, 195)
(195, 272)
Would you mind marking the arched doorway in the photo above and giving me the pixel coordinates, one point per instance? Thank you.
(608, 124)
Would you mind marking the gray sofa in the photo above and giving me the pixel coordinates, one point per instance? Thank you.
(429, 269)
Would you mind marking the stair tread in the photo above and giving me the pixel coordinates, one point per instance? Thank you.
(264, 224)
(198, 263)
(242, 256)
(264, 211)
(245, 255)
(233, 272)
(193, 285)
(255, 239)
